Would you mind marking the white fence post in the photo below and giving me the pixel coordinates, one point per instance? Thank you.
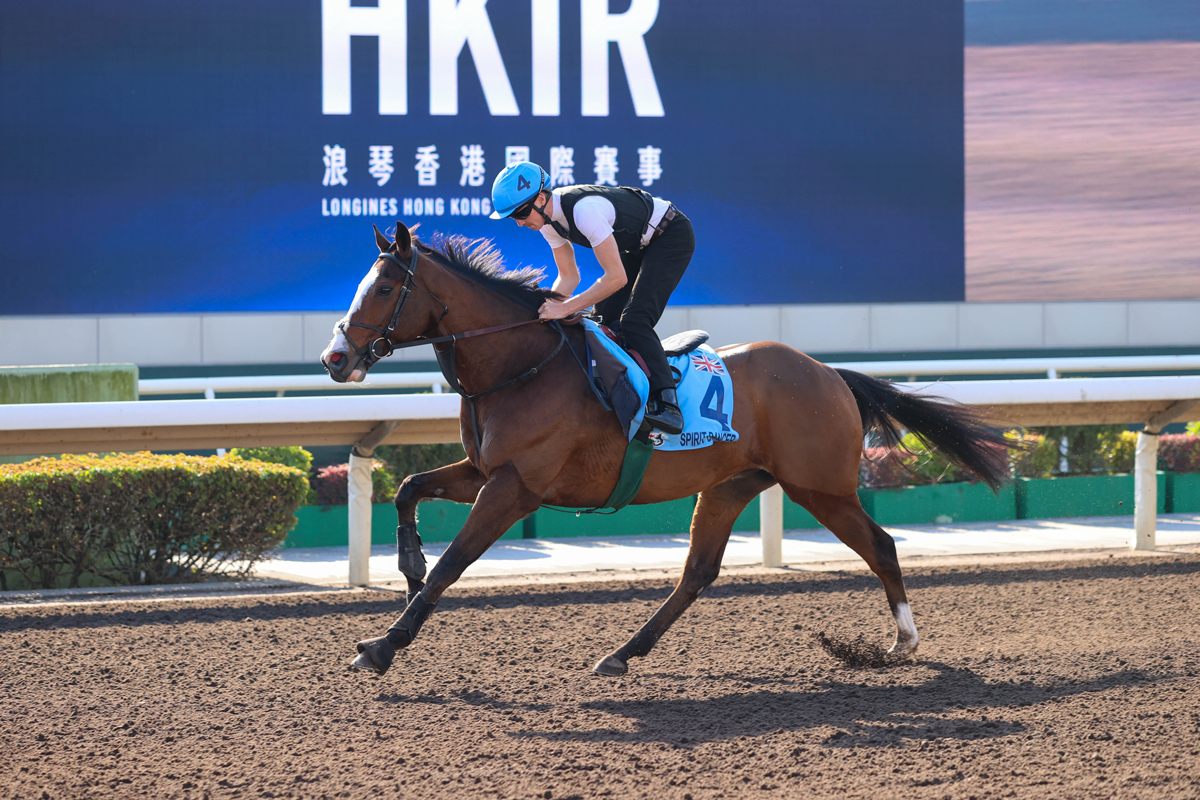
(1145, 492)
(770, 515)
(359, 479)
(359, 485)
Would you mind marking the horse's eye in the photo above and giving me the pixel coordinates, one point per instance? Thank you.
(383, 291)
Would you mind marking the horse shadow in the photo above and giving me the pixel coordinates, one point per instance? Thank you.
(873, 716)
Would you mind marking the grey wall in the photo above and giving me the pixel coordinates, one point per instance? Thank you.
(214, 339)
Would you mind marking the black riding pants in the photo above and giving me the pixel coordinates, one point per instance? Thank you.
(636, 308)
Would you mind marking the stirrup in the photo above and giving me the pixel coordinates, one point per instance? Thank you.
(664, 414)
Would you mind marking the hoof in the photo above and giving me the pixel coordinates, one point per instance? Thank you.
(375, 655)
(902, 650)
(610, 666)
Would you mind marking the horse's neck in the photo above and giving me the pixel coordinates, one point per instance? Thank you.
(488, 360)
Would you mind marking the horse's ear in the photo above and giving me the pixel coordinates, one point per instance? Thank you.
(381, 241)
(403, 238)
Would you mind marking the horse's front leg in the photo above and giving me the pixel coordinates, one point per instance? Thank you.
(459, 482)
(503, 500)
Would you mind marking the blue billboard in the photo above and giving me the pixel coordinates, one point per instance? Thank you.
(213, 155)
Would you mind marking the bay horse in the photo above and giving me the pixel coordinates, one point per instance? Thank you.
(535, 433)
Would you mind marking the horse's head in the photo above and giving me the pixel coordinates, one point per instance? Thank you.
(386, 311)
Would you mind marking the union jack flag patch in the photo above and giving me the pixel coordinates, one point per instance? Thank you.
(707, 363)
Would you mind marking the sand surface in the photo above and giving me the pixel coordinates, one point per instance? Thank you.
(1070, 679)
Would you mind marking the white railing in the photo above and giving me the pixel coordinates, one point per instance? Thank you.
(435, 381)
(368, 420)
(1053, 367)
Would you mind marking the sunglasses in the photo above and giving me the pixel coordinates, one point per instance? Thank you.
(524, 211)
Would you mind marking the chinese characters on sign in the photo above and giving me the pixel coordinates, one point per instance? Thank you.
(562, 166)
(473, 160)
(472, 165)
(427, 165)
(606, 165)
(335, 166)
(381, 163)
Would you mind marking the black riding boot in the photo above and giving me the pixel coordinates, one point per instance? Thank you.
(663, 412)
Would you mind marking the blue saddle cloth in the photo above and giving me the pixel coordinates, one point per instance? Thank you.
(703, 386)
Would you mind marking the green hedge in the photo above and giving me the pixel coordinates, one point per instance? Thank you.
(141, 518)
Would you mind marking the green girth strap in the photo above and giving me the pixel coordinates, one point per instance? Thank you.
(637, 457)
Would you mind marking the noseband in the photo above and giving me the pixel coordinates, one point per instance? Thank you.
(383, 346)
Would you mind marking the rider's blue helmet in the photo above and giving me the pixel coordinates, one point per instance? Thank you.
(516, 185)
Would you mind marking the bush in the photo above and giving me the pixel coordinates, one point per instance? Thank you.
(295, 457)
(1036, 459)
(1193, 428)
(884, 468)
(1179, 452)
(910, 464)
(142, 518)
(410, 459)
(1088, 446)
(332, 484)
(1119, 452)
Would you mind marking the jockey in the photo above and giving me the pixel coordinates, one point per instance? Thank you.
(643, 244)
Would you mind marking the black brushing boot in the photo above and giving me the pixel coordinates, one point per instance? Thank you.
(663, 412)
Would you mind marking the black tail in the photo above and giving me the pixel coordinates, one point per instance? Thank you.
(960, 432)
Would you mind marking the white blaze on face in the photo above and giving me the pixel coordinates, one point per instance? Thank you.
(341, 344)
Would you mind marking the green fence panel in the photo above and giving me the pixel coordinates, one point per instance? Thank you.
(1185, 493)
(794, 517)
(437, 521)
(942, 503)
(71, 383)
(1082, 496)
(329, 526)
(644, 520)
(1025, 498)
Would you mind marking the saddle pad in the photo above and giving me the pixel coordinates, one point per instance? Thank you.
(706, 398)
(704, 389)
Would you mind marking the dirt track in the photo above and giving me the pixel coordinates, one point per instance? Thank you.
(1077, 679)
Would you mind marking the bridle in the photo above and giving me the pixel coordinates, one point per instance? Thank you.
(383, 346)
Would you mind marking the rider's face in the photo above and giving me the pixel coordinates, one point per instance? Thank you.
(534, 221)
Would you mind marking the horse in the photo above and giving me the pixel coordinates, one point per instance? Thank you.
(535, 434)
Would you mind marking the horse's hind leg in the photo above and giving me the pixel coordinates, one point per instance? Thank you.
(845, 517)
(716, 511)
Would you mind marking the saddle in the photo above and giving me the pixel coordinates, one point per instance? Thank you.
(621, 390)
(678, 345)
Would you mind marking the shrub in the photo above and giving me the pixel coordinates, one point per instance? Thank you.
(1086, 446)
(1193, 428)
(332, 484)
(1037, 458)
(1179, 452)
(910, 464)
(885, 468)
(142, 518)
(410, 459)
(295, 457)
(1120, 451)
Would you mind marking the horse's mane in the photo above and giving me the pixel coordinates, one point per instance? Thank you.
(480, 261)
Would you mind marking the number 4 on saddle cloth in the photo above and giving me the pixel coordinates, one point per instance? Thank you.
(703, 386)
